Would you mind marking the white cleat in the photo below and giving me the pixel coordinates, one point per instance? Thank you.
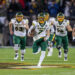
(65, 59)
(49, 54)
(60, 54)
(22, 59)
(39, 66)
(16, 57)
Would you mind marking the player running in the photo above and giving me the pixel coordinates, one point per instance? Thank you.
(42, 30)
(52, 35)
(62, 25)
(19, 24)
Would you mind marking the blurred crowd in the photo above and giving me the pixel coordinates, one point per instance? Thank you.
(30, 8)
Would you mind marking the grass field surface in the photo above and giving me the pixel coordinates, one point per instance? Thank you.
(50, 66)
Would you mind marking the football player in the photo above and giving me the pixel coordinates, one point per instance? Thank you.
(42, 30)
(62, 25)
(73, 34)
(19, 24)
(52, 35)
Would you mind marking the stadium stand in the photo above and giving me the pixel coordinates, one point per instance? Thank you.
(30, 8)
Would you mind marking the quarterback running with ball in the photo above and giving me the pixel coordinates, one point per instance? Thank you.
(42, 34)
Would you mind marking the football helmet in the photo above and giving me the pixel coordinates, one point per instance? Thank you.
(19, 16)
(46, 16)
(41, 18)
(60, 17)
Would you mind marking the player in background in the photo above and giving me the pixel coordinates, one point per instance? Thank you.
(73, 34)
(50, 20)
(42, 30)
(19, 24)
(62, 26)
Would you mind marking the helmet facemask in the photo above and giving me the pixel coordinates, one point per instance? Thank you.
(19, 17)
(60, 17)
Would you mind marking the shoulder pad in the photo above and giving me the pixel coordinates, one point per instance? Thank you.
(34, 22)
(13, 20)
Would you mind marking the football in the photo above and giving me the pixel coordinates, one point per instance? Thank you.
(32, 33)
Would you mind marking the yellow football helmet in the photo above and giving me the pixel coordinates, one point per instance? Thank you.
(41, 18)
(60, 17)
(46, 16)
(19, 16)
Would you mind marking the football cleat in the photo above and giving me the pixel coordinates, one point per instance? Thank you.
(65, 59)
(39, 66)
(49, 53)
(22, 58)
(60, 54)
(16, 57)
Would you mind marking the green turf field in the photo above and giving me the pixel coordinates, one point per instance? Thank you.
(50, 66)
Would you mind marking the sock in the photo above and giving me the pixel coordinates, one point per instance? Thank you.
(17, 54)
(65, 54)
(41, 58)
(22, 53)
(59, 50)
(51, 49)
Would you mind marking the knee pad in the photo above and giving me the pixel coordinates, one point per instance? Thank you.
(65, 51)
(16, 47)
(22, 51)
(58, 47)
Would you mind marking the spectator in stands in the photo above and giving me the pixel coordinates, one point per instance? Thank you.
(67, 9)
(23, 3)
(32, 7)
(62, 5)
(53, 8)
(13, 8)
(2, 3)
(1, 35)
(72, 10)
(42, 5)
(72, 1)
(6, 36)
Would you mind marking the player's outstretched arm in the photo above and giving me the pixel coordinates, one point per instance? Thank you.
(10, 28)
(30, 30)
(27, 26)
(69, 28)
(73, 32)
